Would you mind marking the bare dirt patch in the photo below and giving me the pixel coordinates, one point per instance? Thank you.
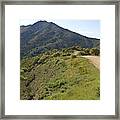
(94, 60)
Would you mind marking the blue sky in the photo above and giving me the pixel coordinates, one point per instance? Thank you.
(89, 28)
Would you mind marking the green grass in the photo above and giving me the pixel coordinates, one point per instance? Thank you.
(58, 77)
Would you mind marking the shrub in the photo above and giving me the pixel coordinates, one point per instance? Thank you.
(76, 48)
(87, 51)
(98, 92)
(43, 59)
(73, 56)
(35, 60)
(94, 51)
(56, 54)
(21, 71)
(25, 69)
(22, 77)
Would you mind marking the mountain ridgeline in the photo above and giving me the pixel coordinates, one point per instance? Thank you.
(43, 36)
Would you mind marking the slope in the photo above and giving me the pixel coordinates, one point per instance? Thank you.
(44, 36)
(95, 60)
(59, 75)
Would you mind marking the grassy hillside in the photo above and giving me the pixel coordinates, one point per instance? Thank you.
(59, 75)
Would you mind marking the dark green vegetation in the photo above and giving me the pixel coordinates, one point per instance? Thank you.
(43, 36)
(60, 75)
(52, 64)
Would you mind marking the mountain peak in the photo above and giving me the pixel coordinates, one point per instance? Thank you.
(41, 21)
(43, 36)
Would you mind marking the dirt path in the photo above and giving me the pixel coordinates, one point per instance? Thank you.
(94, 60)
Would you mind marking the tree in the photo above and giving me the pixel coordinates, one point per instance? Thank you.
(94, 51)
(87, 51)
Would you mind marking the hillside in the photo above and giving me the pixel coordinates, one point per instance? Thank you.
(43, 36)
(95, 60)
(58, 64)
(59, 75)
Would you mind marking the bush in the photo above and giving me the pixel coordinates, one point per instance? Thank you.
(25, 69)
(94, 51)
(87, 51)
(56, 54)
(73, 56)
(35, 60)
(43, 59)
(21, 71)
(22, 77)
(76, 48)
(82, 53)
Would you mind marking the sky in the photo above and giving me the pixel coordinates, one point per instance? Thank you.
(89, 28)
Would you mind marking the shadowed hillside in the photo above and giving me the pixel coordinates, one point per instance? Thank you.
(43, 36)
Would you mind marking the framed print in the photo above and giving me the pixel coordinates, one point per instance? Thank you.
(59, 60)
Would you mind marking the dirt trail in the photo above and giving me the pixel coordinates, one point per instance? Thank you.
(94, 60)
